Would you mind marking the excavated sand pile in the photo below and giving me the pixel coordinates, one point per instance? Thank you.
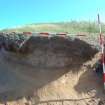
(55, 71)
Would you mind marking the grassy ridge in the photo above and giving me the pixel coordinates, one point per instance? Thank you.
(71, 27)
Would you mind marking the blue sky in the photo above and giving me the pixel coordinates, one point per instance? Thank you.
(20, 12)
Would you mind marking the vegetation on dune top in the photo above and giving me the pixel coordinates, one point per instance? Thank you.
(71, 27)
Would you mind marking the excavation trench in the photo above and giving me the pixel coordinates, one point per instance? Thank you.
(39, 62)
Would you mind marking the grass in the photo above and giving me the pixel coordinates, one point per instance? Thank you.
(70, 27)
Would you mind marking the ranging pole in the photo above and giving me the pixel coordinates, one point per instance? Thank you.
(99, 23)
(102, 48)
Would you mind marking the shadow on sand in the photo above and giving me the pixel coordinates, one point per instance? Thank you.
(92, 84)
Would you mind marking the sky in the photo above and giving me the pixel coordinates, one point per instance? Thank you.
(15, 13)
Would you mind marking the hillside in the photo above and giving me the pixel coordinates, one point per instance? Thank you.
(71, 27)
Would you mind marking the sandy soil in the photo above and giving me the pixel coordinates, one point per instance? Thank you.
(56, 72)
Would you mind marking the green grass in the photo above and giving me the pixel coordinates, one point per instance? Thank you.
(71, 27)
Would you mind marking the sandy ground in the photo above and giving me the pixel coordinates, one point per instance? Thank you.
(31, 83)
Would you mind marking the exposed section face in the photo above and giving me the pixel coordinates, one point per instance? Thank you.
(54, 52)
(39, 61)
